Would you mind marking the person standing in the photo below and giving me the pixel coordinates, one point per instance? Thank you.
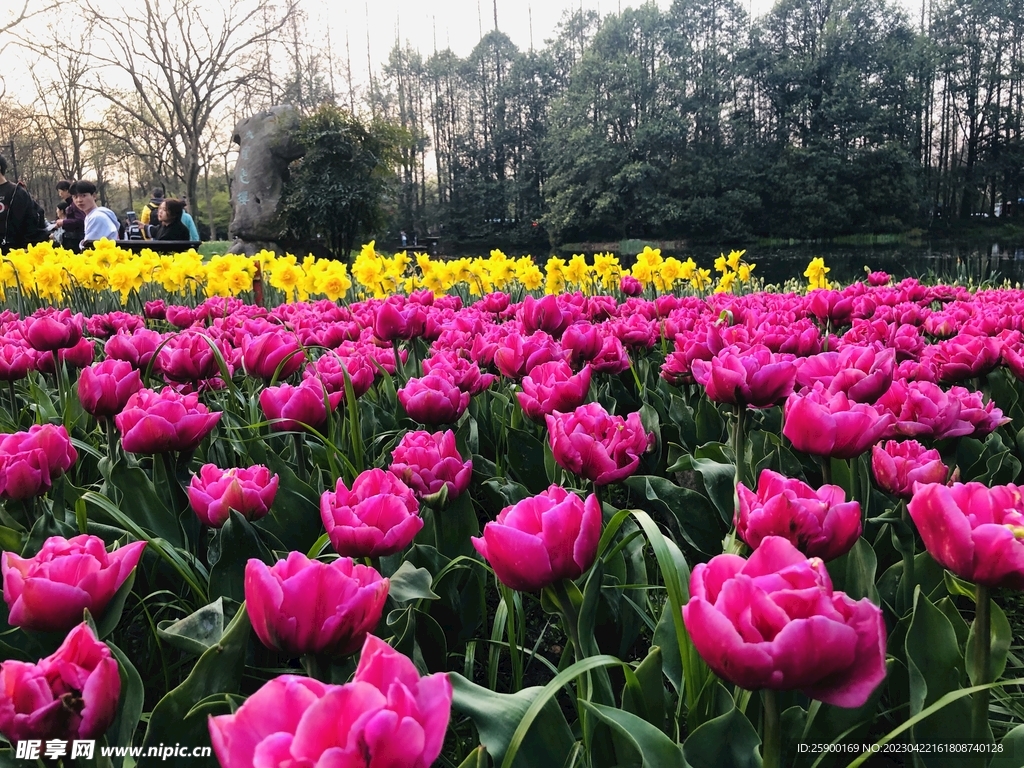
(72, 219)
(148, 215)
(16, 209)
(100, 222)
(188, 221)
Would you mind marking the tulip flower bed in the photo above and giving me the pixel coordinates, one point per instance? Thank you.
(732, 529)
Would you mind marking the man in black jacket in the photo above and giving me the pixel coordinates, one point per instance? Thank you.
(14, 207)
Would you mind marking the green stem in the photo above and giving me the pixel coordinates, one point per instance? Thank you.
(982, 656)
(826, 470)
(513, 637)
(14, 399)
(907, 583)
(739, 443)
(317, 667)
(111, 439)
(399, 368)
(771, 742)
(300, 464)
(570, 616)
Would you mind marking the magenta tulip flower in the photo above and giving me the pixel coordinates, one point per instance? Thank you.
(863, 374)
(630, 286)
(433, 399)
(49, 329)
(820, 523)
(378, 516)
(753, 376)
(214, 492)
(137, 348)
(974, 531)
(832, 425)
(898, 466)
(924, 410)
(71, 694)
(392, 321)
(263, 355)
(16, 360)
(429, 462)
(544, 314)
(387, 716)
(300, 606)
(593, 444)
(104, 388)
(294, 409)
(583, 341)
(188, 357)
(551, 387)
(331, 368)
(49, 591)
(31, 461)
(157, 422)
(774, 621)
(542, 539)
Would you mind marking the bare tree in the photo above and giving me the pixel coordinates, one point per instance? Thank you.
(61, 104)
(183, 60)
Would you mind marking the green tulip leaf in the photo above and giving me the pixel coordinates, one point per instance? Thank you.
(218, 670)
(1011, 750)
(644, 691)
(112, 615)
(999, 644)
(727, 741)
(526, 458)
(936, 668)
(197, 632)
(656, 750)
(294, 517)
(232, 547)
(854, 572)
(696, 519)
(129, 711)
(498, 715)
(411, 583)
(134, 489)
(717, 475)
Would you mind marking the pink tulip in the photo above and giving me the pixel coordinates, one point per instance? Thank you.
(189, 357)
(433, 399)
(71, 694)
(428, 462)
(898, 466)
(984, 417)
(156, 309)
(31, 461)
(180, 317)
(300, 606)
(462, 370)
(517, 355)
(612, 358)
(106, 325)
(273, 353)
(214, 492)
(583, 341)
(137, 348)
(104, 388)
(773, 621)
(50, 329)
(545, 314)
(49, 591)
(630, 286)
(820, 523)
(879, 278)
(294, 409)
(972, 530)
(330, 369)
(79, 356)
(553, 387)
(157, 422)
(826, 424)
(593, 444)
(863, 373)
(753, 376)
(923, 409)
(393, 322)
(542, 539)
(964, 357)
(378, 516)
(16, 360)
(387, 716)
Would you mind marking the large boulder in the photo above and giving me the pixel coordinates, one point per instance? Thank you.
(267, 142)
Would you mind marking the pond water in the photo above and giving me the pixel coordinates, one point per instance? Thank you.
(948, 261)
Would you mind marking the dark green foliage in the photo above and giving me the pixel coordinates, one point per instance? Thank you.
(342, 190)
